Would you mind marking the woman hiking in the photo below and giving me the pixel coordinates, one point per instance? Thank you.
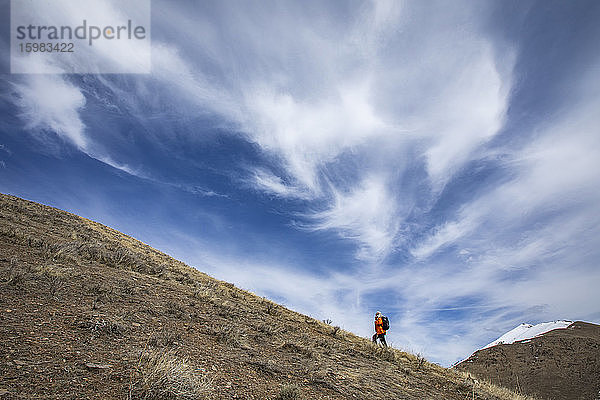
(379, 331)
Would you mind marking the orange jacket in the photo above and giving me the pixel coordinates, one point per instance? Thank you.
(379, 326)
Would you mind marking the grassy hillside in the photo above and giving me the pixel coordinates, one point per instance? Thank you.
(563, 364)
(87, 312)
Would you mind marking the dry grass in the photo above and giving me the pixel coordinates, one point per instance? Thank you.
(268, 367)
(230, 336)
(116, 253)
(103, 326)
(289, 392)
(165, 338)
(303, 350)
(478, 386)
(161, 375)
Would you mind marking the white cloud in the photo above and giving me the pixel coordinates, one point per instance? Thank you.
(182, 82)
(270, 183)
(443, 235)
(470, 111)
(366, 214)
(52, 104)
(122, 167)
(556, 174)
(449, 93)
(308, 134)
(49, 102)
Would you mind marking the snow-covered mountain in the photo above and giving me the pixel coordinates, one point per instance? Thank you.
(522, 333)
(528, 331)
(557, 360)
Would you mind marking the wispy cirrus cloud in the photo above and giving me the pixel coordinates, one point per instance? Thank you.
(356, 83)
(313, 95)
(366, 214)
(524, 249)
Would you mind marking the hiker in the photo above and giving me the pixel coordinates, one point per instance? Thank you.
(379, 331)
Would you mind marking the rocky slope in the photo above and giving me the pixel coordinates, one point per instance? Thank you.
(89, 313)
(563, 364)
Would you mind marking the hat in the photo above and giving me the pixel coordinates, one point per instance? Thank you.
(378, 313)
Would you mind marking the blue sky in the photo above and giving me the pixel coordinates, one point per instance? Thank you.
(437, 161)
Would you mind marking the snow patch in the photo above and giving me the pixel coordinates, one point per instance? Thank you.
(528, 331)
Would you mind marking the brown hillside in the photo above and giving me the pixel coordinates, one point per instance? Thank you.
(89, 313)
(563, 364)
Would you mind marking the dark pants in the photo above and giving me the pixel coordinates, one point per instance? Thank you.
(381, 338)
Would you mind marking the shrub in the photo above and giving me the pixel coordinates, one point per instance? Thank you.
(289, 392)
(16, 275)
(382, 353)
(295, 348)
(102, 294)
(55, 283)
(270, 307)
(228, 310)
(326, 347)
(17, 278)
(103, 326)
(177, 310)
(203, 294)
(165, 338)
(229, 336)
(268, 329)
(266, 367)
(161, 375)
(128, 289)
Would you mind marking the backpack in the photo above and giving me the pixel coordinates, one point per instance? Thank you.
(386, 323)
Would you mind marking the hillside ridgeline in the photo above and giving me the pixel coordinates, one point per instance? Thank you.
(87, 312)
